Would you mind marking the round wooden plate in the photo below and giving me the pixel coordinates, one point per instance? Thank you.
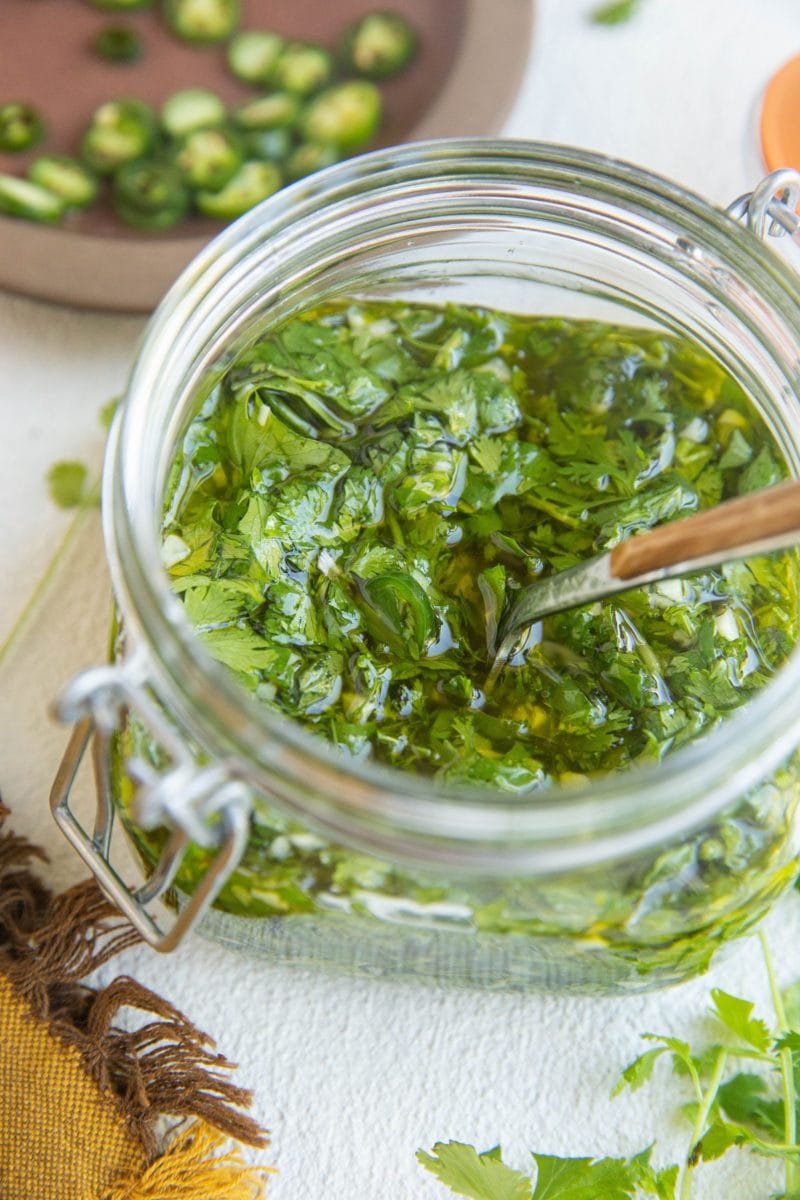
(471, 57)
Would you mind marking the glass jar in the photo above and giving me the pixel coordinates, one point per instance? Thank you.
(626, 882)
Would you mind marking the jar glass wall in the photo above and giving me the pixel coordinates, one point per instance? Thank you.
(627, 881)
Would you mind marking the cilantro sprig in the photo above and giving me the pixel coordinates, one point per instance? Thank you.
(744, 1092)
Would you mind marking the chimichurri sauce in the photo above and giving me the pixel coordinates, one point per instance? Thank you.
(366, 488)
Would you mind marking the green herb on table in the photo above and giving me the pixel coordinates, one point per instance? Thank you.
(616, 12)
(69, 482)
(69, 486)
(743, 1093)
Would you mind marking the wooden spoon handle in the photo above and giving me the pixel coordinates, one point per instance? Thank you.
(729, 526)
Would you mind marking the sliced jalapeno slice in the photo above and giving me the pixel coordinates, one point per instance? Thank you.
(120, 132)
(398, 612)
(22, 198)
(21, 127)
(252, 183)
(279, 110)
(378, 45)
(303, 68)
(117, 44)
(208, 158)
(66, 177)
(268, 145)
(150, 195)
(190, 109)
(309, 157)
(202, 22)
(347, 115)
(121, 5)
(252, 55)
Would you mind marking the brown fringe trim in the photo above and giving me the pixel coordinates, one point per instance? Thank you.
(49, 944)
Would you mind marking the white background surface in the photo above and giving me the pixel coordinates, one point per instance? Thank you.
(353, 1076)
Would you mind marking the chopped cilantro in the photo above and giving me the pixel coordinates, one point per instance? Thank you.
(354, 505)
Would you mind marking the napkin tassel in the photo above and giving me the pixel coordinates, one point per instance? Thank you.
(192, 1168)
(165, 1067)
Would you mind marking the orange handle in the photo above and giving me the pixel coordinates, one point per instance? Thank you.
(729, 526)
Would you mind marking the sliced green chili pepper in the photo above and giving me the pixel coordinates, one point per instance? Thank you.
(118, 44)
(21, 198)
(303, 68)
(121, 5)
(208, 158)
(269, 145)
(309, 157)
(252, 183)
(193, 108)
(280, 110)
(347, 115)
(252, 55)
(120, 132)
(65, 177)
(378, 45)
(203, 22)
(21, 127)
(150, 195)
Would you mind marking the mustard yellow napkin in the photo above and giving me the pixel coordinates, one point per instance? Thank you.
(82, 1102)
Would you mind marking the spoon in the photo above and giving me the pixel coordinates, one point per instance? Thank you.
(752, 524)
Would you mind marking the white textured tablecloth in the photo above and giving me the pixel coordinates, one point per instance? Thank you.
(353, 1076)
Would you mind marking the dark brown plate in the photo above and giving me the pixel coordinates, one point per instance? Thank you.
(463, 80)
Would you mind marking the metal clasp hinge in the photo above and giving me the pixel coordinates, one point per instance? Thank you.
(202, 805)
(770, 210)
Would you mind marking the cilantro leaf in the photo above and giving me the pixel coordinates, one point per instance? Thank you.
(744, 1099)
(717, 1139)
(584, 1179)
(736, 1015)
(479, 1176)
(638, 1072)
(69, 487)
(616, 12)
(257, 438)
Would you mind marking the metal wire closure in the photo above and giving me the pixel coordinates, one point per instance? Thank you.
(206, 806)
(770, 210)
